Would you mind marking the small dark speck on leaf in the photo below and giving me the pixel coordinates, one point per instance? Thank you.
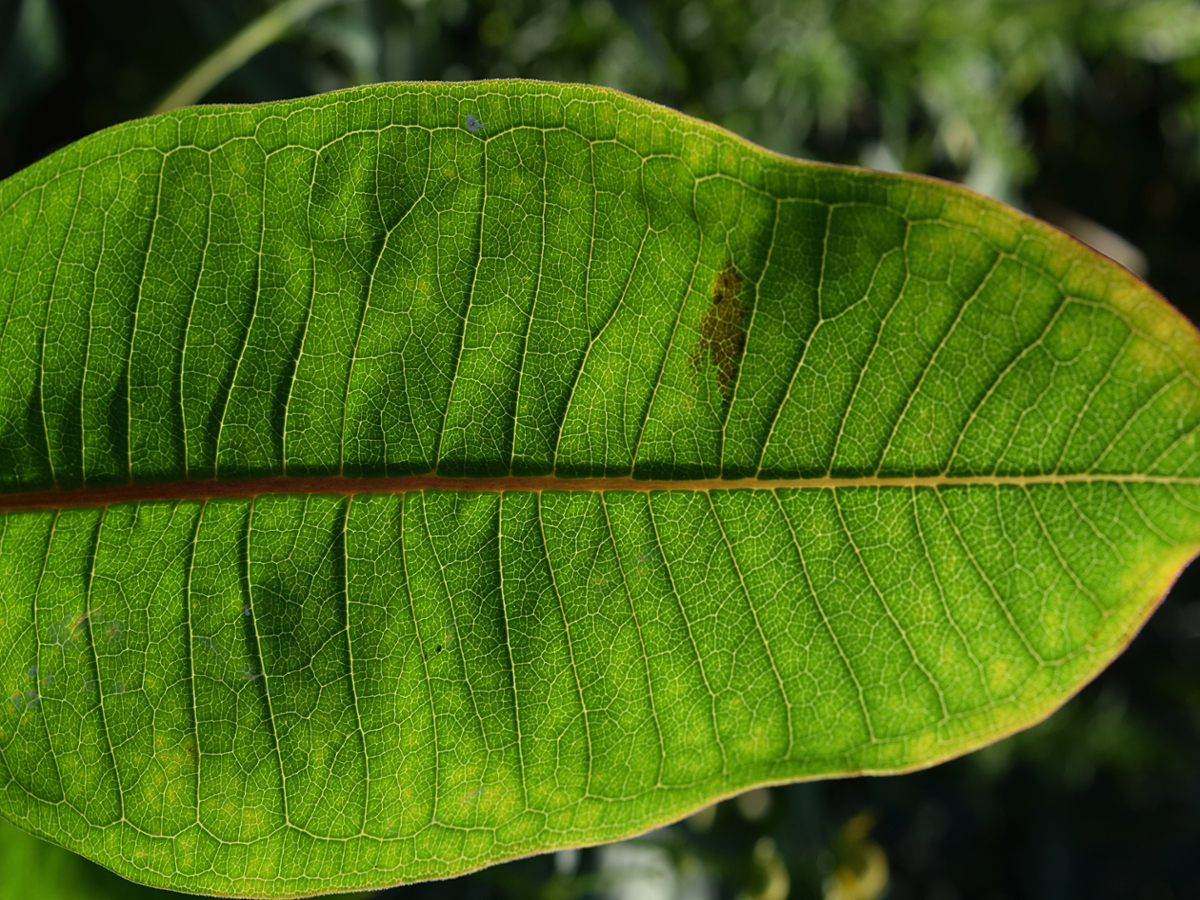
(473, 124)
(439, 648)
(723, 330)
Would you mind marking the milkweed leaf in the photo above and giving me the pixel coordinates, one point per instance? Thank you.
(384, 498)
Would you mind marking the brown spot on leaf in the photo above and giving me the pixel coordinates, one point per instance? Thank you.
(723, 330)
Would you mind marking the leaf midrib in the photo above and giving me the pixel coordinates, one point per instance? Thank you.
(105, 495)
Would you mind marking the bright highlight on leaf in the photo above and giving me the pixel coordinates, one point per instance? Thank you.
(384, 498)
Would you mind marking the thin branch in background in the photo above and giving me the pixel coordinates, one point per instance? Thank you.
(234, 53)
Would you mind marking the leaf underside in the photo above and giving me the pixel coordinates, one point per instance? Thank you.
(776, 471)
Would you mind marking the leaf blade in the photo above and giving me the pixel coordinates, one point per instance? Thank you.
(868, 472)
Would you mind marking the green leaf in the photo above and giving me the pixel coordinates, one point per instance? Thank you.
(386, 498)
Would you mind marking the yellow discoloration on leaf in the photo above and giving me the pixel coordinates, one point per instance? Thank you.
(924, 744)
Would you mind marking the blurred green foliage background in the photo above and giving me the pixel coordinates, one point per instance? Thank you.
(1084, 112)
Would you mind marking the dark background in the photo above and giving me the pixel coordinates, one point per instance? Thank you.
(1085, 112)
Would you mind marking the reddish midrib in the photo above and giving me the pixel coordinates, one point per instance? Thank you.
(63, 498)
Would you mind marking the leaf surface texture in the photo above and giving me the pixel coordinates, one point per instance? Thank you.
(386, 499)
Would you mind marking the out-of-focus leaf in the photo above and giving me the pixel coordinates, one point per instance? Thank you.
(38, 870)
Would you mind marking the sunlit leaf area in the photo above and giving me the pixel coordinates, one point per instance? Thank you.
(867, 472)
